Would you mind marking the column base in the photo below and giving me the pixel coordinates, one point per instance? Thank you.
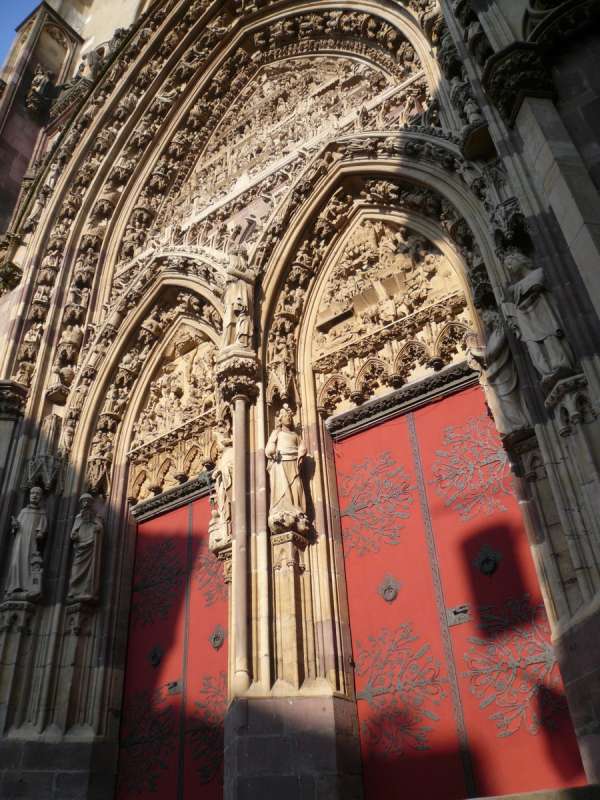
(297, 748)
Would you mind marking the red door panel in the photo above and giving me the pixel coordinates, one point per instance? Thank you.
(175, 682)
(517, 722)
(206, 696)
(458, 692)
(404, 705)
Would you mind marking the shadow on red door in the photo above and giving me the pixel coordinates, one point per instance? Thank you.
(175, 694)
(458, 691)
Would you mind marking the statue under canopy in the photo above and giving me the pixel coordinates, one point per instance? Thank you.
(285, 452)
(29, 531)
(535, 321)
(498, 373)
(86, 535)
(219, 528)
(238, 302)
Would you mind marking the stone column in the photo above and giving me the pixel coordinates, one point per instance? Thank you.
(12, 401)
(241, 667)
(236, 376)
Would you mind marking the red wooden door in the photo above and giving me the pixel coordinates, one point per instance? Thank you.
(458, 691)
(176, 675)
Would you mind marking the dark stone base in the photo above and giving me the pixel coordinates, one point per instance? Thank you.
(578, 653)
(56, 771)
(296, 748)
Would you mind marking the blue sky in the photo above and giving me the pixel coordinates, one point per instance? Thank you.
(12, 12)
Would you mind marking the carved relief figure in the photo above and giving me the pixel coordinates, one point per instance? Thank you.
(534, 320)
(86, 536)
(498, 373)
(285, 452)
(220, 525)
(29, 531)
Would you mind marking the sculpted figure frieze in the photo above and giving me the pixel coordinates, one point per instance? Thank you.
(29, 530)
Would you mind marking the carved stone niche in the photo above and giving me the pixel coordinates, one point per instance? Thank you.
(392, 312)
(172, 438)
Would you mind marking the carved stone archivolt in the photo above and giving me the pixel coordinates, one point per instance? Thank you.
(392, 307)
(176, 398)
(302, 110)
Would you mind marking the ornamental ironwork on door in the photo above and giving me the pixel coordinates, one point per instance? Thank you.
(175, 696)
(458, 691)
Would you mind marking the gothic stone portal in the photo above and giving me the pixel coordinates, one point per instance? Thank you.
(457, 686)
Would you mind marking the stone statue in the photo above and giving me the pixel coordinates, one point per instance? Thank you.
(40, 81)
(498, 374)
(86, 535)
(29, 531)
(219, 529)
(535, 322)
(285, 452)
(238, 301)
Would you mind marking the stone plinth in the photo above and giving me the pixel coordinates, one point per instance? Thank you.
(297, 748)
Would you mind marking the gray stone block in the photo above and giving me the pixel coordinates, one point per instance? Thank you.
(305, 747)
(273, 787)
(71, 785)
(27, 786)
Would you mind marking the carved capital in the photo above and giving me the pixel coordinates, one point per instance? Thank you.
(571, 403)
(79, 616)
(12, 399)
(16, 616)
(10, 275)
(225, 557)
(513, 74)
(236, 374)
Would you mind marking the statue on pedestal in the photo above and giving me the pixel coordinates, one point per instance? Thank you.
(86, 535)
(498, 374)
(285, 452)
(29, 530)
(535, 322)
